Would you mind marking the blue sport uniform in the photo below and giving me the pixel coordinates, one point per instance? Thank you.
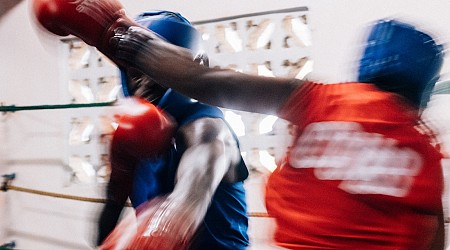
(226, 222)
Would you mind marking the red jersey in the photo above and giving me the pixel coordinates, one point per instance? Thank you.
(360, 174)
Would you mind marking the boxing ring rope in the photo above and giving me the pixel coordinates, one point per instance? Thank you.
(441, 88)
(6, 185)
(14, 108)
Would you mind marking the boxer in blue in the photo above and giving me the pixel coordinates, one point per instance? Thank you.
(202, 174)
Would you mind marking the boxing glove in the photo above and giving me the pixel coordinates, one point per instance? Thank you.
(93, 21)
(144, 131)
(141, 231)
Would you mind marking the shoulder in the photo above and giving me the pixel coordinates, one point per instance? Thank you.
(185, 110)
(207, 127)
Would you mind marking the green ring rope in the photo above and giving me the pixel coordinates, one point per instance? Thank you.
(14, 108)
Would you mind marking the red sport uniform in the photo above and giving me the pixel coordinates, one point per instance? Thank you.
(363, 172)
(360, 174)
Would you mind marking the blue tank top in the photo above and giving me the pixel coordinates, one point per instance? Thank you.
(226, 222)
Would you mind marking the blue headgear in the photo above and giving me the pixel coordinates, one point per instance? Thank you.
(170, 26)
(400, 59)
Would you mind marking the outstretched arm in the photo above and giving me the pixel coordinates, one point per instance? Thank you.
(174, 67)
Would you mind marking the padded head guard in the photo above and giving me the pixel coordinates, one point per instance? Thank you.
(173, 28)
(398, 58)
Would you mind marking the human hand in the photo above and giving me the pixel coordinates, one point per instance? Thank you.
(160, 224)
(163, 223)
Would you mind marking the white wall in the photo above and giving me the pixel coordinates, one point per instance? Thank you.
(32, 143)
(339, 27)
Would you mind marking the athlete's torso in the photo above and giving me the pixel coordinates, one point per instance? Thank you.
(225, 225)
(360, 175)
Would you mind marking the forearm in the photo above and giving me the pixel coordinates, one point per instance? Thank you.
(174, 67)
(117, 192)
(116, 197)
(108, 220)
(234, 90)
(199, 174)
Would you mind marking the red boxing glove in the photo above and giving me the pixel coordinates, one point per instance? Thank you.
(144, 131)
(140, 233)
(93, 21)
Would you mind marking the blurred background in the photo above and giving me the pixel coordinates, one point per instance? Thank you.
(57, 98)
